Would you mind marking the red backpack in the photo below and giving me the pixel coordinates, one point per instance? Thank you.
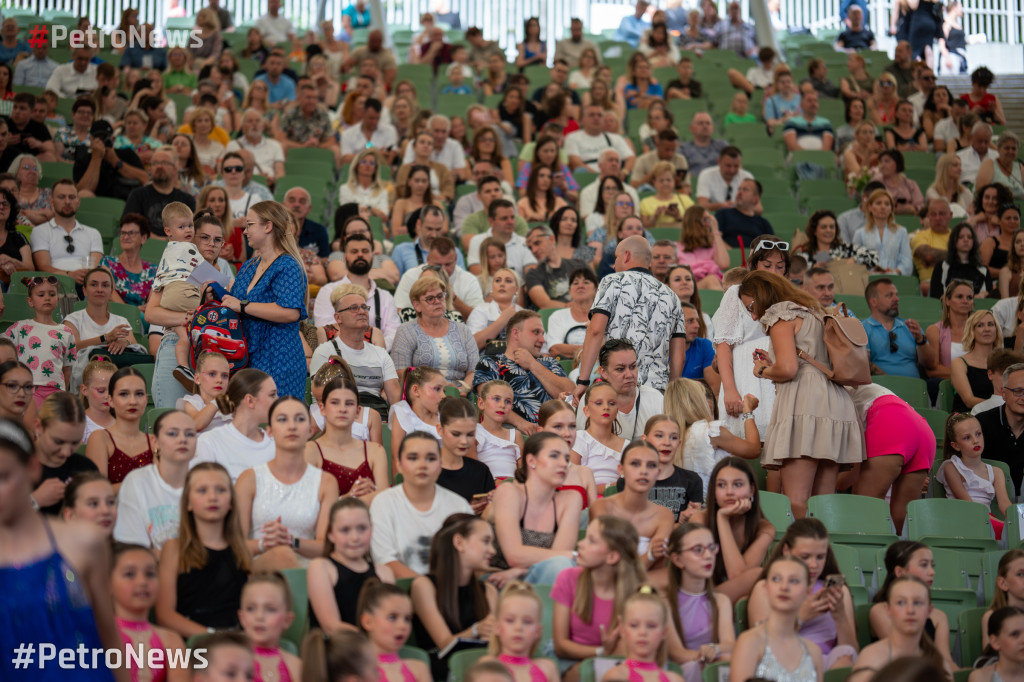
(217, 328)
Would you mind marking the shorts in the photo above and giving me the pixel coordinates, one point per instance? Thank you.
(42, 392)
(894, 428)
(180, 296)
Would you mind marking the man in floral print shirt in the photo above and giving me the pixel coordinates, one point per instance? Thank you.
(534, 379)
(632, 304)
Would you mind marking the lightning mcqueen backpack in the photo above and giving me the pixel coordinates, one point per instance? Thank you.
(217, 328)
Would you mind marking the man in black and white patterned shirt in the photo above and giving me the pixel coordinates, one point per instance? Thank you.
(632, 304)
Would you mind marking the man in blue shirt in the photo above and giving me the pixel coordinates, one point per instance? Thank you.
(632, 27)
(359, 13)
(10, 45)
(896, 345)
(282, 88)
(429, 226)
(36, 69)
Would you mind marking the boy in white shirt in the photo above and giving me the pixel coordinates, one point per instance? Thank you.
(180, 258)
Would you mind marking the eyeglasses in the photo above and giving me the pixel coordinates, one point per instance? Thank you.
(766, 245)
(233, 169)
(893, 346)
(71, 243)
(698, 550)
(750, 306)
(206, 239)
(30, 167)
(4, 204)
(1017, 392)
(354, 308)
(130, 233)
(624, 204)
(436, 298)
(13, 387)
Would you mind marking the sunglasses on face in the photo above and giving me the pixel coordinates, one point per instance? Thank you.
(234, 169)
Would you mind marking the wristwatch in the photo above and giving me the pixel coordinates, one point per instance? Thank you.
(242, 305)
(583, 382)
(295, 543)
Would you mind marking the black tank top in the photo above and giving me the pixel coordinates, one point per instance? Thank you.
(212, 595)
(346, 592)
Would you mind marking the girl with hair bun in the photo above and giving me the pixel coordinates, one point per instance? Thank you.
(95, 394)
(241, 444)
(124, 447)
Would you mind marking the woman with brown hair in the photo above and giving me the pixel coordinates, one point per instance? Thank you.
(540, 201)
(814, 426)
(486, 147)
(270, 294)
(702, 248)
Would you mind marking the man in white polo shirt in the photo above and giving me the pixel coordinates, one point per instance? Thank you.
(63, 245)
(717, 186)
(447, 151)
(584, 146)
(501, 215)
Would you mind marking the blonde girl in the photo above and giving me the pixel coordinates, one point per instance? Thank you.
(211, 380)
(599, 446)
(517, 634)
(589, 597)
(557, 417)
(95, 396)
(969, 372)
(203, 570)
(681, 491)
(645, 634)
(359, 467)
(640, 467)
(335, 580)
(705, 441)
(134, 588)
(882, 235)
(265, 613)
(45, 346)
(963, 473)
(497, 447)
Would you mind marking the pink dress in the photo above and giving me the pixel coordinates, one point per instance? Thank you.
(700, 261)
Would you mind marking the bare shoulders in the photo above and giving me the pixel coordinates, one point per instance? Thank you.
(982, 674)
(418, 668)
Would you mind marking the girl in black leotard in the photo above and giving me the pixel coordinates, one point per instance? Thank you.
(335, 580)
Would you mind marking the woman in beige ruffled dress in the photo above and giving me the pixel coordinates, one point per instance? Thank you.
(814, 427)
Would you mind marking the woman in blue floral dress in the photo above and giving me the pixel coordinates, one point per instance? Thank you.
(270, 296)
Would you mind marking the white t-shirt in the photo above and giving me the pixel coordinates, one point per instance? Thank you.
(712, 185)
(228, 447)
(450, 156)
(484, 315)
(88, 328)
(371, 364)
(401, 532)
(240, 206)
(589, 147)
(354, 140)
(946, 130)
(148, 509)
(464, 285)
(265, 153)
(274, 29)
(631, 423)
(196, 401)
(562, 328)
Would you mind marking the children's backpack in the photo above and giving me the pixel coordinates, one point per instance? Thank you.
(217, 328)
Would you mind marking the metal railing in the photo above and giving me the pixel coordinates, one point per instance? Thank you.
(1002, 21)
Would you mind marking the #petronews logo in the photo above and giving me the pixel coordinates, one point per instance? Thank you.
(41, 34)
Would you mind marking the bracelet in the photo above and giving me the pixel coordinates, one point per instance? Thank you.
(259, 547)
(924, 340)
(599, 651)
(760, 372)
(746, 415)
(475, 630)
(650, 555)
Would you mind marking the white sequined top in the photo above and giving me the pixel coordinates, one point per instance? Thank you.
(297, 504)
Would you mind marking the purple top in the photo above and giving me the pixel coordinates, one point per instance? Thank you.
(695, 615)
(821, 629)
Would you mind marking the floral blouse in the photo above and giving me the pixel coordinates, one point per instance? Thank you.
(132, 287)
(66, 136)
(45, 348)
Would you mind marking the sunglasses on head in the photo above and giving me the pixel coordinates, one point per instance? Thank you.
(766, 245)
(37, 280)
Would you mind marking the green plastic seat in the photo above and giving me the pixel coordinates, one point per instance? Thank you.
(837, 674)
(906, 286)
(412, 653)
(152, 414)
(712, 672)
(862, 621)
(952, 524)
(969, 628)
(146, 370)
(820, 157)
(461, 661)
(862, 523)
(850, 566)
(710, 299)
(856, 304)
(296, 578)
(778, 510)
(19, 290)
(1013, 533)
(946, 393)
(739, 615)
(911, 389)
(937, 421)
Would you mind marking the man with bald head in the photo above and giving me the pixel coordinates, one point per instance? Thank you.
(703, 150)
(632, 304)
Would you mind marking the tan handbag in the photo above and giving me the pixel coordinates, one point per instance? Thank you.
(847, 344)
